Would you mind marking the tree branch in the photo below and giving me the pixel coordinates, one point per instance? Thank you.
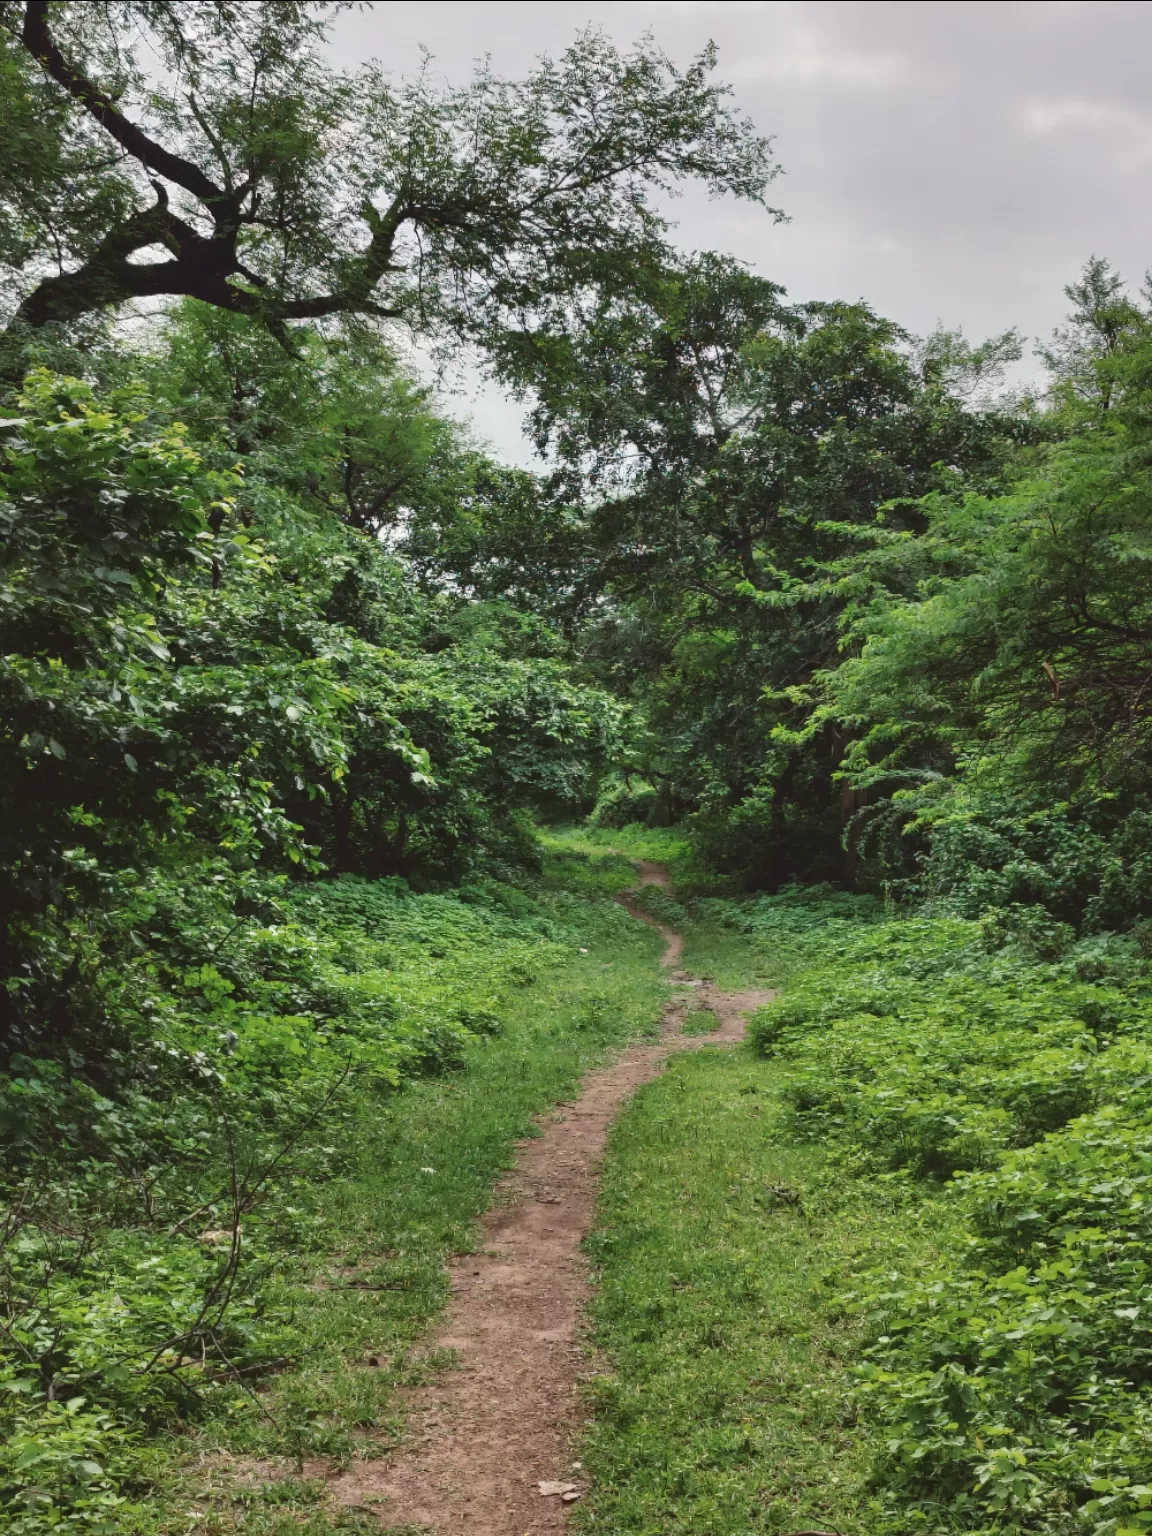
(206, 130)
(40, 44)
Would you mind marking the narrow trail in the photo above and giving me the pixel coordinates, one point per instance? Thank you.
(485, 1436)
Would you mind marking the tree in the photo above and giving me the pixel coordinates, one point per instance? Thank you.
(737, 449)
(338, 422)
(1103, 324)
(244, 172)
(1029, 635)
(997, 693)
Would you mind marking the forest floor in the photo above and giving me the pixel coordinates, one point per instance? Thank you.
(584, 1280)
(489, 1449)
(599, 1277)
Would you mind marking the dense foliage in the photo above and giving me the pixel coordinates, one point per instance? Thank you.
(211, 687)
(879, 619)
(289, 665)
(168, 1217)
(997, 1075)
(229, 666)
(735, 451)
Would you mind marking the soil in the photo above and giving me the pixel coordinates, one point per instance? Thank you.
(485, 1437)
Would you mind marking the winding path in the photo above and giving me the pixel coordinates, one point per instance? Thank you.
(485, 1437)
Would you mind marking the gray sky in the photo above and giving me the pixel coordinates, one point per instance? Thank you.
(946, 162)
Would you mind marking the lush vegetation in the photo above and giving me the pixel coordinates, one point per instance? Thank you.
(893, 1274)
(248, 1242)
(295, 676)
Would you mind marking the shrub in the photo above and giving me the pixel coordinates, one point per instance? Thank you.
(1011, 1388)
(623, 802)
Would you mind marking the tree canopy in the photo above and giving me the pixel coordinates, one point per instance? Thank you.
(211, 152)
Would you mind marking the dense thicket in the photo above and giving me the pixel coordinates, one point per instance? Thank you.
(739, 449)
(1001, 671)
(879, 619)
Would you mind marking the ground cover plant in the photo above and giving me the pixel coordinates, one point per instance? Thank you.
(342, 1089)
(964, 1122)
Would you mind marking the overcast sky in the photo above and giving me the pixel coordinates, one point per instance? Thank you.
(945, 162)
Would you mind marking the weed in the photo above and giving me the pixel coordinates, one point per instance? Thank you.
(340, 1262)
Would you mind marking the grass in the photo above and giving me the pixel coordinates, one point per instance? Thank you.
(725, 1404)
(715, 950)
(600, 858)
(699, 1021)
(423, 1174)
(740, 1241)
(716, 953)
(877, 1278)
(726, 1408)
(664, 845)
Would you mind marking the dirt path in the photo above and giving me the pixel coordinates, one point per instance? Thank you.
(654, 874)
(486, 1436)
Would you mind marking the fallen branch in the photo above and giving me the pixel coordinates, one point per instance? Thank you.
(261, 1368)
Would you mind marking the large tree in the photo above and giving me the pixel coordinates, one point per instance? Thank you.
(159, 148)
(738, 448)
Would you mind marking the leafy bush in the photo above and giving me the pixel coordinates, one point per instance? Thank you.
(1011, 1388)
(624, 802)
(152, 1218)
(1088, 865)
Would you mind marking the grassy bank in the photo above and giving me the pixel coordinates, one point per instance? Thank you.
(885, 1270)
(728, 1407)
(463, 1014)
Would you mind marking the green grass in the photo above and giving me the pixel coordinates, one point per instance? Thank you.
(663, 845)
(699, 1021)
(785, 1275)
(576, 865)
(727, 1407)
(888, 1274)
(715, 949)
(726, 1401)
(357, 1319)
(718, 954)
(586, 858)
(732, 1249)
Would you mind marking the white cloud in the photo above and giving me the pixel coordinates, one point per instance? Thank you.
(800, 52)
(1130, 130)
(804, 59)
(693, 7)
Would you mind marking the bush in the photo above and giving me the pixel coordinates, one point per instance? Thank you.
(623, 802)
(1012, 1387)
(1086, 866)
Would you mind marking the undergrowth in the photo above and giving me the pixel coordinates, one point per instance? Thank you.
(963, 1111)
(230, 1251)
(1011, 1089)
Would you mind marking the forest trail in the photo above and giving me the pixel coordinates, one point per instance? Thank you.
(488, 1436)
